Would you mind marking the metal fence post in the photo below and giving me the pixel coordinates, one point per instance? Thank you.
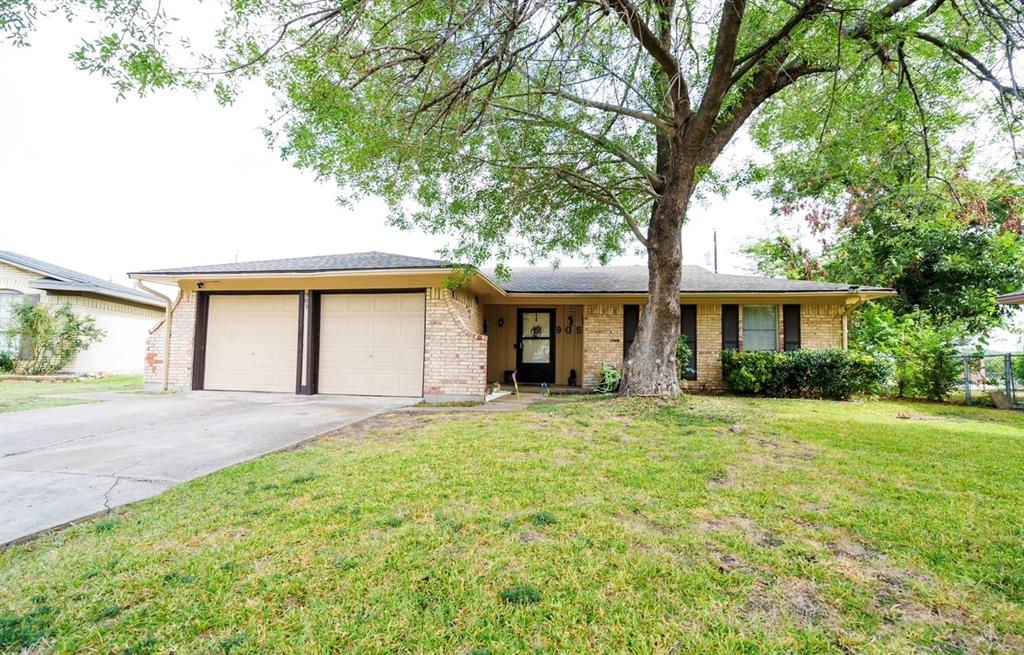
(967, 380)
(1008, 376)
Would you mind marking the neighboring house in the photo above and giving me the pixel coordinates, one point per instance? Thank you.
(380, 324)
(124, 314)
(1015, 298)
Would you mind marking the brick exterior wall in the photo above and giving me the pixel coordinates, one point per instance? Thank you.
(709, 346)
(455, 348)
(183, 327)
(602, 341)
(821, 326)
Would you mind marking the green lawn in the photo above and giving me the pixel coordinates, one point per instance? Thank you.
(18, 395)
(709, 525)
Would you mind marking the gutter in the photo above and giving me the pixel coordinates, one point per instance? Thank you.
(168, 315)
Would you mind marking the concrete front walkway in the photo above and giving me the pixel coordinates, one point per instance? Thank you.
(64, 463)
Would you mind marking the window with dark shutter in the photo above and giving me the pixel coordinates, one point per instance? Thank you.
(630, 319)
(688, 328)
(730, 327)
(791, 327)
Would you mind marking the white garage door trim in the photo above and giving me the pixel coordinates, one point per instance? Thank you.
(252, 341)
(371, 344)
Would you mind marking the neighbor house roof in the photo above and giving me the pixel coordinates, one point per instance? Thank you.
(58, 278)
(1015, 298)
(535, 280)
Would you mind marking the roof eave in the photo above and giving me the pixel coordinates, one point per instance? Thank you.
(71, 287)
(173, 277)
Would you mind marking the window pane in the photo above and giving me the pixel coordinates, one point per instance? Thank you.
(536, 324)
(8, 299)
(536, 351)
(760, 328)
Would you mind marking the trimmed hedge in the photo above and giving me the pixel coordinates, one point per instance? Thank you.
(833, 374)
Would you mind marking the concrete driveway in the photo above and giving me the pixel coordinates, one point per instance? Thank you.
(64, 463)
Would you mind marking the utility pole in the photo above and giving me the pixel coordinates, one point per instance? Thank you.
(714, 236)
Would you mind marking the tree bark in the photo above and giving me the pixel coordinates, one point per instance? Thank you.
(650, 366)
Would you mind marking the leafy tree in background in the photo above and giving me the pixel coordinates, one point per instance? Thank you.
(576, 126)
(947, 250)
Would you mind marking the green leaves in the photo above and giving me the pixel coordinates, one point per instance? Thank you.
(55, 336)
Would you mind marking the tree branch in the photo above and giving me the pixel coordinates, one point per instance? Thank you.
(653, 45)
(661, 124)
(972, 64)
(720, 76)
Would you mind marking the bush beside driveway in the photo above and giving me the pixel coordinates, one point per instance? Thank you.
(708, 525)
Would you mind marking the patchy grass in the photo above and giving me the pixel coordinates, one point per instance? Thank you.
(20, 395)
(709, 525)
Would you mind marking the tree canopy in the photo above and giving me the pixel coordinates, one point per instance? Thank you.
(947, 250)
(532, 126)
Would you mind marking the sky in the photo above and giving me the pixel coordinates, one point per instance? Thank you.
(174, 179)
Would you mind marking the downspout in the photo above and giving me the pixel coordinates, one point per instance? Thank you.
(847, 310)
(168, 304)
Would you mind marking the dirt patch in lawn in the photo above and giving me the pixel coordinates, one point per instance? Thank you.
(788, 599)
(396, 426)
(741, 525)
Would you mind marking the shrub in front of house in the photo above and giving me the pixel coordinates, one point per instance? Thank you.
(832, 374)
(56, 335)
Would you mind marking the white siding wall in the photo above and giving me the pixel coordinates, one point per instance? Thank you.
(122, 349)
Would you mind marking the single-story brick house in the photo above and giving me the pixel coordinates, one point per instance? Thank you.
(124, 314)
(381, 324)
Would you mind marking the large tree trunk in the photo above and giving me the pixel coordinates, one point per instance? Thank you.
(650, 366)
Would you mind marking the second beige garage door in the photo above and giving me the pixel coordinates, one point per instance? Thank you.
(251, 342)
(371, 344)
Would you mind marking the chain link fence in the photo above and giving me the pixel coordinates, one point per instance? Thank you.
(992, 379)
(983, 378)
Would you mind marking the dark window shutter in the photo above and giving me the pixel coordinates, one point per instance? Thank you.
(791, 327)
(688, 328)
(730, 327)
(630, 320)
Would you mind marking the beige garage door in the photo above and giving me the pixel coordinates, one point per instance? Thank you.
(251, 343)
(371, 344)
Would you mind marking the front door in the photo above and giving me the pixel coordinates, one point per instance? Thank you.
(535, 356)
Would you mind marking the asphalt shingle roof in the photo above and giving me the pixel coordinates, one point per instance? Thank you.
(544, 279)
(633, 279)
(355, 261)
(65, 279)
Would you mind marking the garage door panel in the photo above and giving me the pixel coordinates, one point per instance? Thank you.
(251, 343)
(371, 344)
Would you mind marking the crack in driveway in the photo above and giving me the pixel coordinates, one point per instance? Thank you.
(63, 475)
(129, 478)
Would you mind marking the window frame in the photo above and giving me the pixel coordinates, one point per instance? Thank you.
(759, 330)
(9, 345)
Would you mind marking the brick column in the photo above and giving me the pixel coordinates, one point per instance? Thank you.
(183, 325)
(602, 341)
(455, 348)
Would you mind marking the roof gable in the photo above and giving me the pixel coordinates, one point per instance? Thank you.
(58, 278)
